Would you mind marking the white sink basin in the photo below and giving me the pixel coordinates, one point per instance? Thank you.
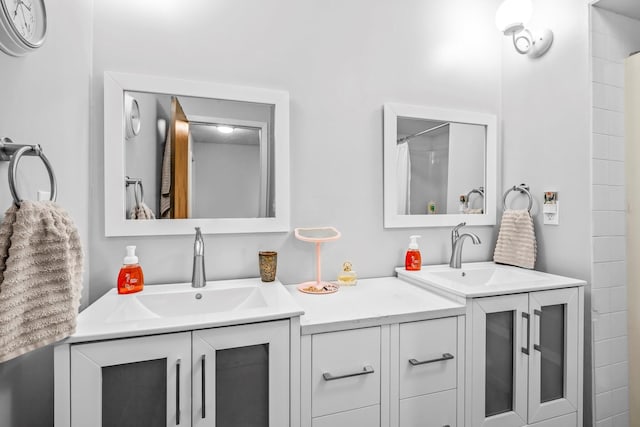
(484, 279)
(177, 307)
(203, 301)
(490, 275)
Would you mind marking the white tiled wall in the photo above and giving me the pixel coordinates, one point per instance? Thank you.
(613, 37)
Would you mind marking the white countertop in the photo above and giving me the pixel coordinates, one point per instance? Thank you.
(371, 302)
(119, 316)
(481, 279)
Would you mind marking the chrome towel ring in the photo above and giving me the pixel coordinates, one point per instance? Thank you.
(137, 182)
(13, 153)
(522, 188)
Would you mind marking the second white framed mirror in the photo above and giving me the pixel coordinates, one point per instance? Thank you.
(440, 167)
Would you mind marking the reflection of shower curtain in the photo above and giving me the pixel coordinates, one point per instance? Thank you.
(403, 177)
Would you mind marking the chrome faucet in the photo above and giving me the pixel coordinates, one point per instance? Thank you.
(457, 240)
(198, 277)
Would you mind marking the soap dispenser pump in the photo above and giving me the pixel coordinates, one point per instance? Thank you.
(413, 259)
(130, 279)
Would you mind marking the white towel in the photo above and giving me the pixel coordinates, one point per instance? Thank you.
(516, 243)
(141, 211)
(40, 277)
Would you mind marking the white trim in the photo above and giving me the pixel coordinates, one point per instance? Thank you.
(391, 218)
(115, 84)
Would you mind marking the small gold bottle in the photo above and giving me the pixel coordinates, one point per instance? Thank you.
(347, 277)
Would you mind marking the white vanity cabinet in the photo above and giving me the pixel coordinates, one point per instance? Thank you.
(526, 358)
(524, 342)
(383, 353)
(227, 376)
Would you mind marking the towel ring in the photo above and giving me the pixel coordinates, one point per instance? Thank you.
(479, 190)
(13, 153)
(523, 188)
(138, 184)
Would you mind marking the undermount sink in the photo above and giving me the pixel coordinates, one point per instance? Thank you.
(175, 307)
(484, 279)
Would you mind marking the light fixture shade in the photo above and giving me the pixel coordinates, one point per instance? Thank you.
(225, 129)
(512, 15)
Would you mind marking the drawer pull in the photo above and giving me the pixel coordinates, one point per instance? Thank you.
(367, 369)
(445, 356)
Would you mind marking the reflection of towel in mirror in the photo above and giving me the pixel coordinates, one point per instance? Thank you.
(516, 243)
(165, 185)
(141, 211)
(40, 277)
(476, 211)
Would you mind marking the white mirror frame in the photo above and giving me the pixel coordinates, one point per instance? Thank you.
(115, 85)
(394, 220)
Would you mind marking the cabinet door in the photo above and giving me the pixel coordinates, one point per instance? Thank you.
(241, 375)
(553, 364)
(135, 382)
(500, 347)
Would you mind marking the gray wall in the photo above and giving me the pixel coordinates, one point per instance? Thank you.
(340, 61)
(46, 100)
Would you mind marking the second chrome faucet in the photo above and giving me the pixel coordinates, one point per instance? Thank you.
(457, 241)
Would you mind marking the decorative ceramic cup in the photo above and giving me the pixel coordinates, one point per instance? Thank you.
(268, 262)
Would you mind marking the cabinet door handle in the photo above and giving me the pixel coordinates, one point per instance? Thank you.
(204, 388)
(525, 316)
(178, 392)
(367, 369)
(445, 356)
(537, 346)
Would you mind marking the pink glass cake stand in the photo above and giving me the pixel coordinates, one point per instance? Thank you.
(317, 235)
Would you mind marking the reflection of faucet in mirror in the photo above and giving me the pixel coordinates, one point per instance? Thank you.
(457, 241)
(198, 277)
(468, 209)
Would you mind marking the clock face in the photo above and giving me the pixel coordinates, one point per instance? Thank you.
(23, 17)
(27, 20)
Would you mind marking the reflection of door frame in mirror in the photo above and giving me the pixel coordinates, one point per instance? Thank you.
(265, 173)
(394, 220)
(116, 224)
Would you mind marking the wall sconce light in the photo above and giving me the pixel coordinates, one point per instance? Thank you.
(511, 17)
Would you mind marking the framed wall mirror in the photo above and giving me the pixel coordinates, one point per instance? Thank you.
(181, 153)
(440, 167)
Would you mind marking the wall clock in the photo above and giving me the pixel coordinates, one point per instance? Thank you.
(131, 116)
(23, 25)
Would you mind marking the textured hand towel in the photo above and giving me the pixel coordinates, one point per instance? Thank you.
(516, 243)
(141, 211)
(40, 277)
(165, 180)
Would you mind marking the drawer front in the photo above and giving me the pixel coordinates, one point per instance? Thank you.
(364, 417)
(345, 370)
(428, 356)
(569, 420)
(431, 410)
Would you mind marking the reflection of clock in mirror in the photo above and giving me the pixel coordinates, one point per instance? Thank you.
(23, 25)
(131, 116)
